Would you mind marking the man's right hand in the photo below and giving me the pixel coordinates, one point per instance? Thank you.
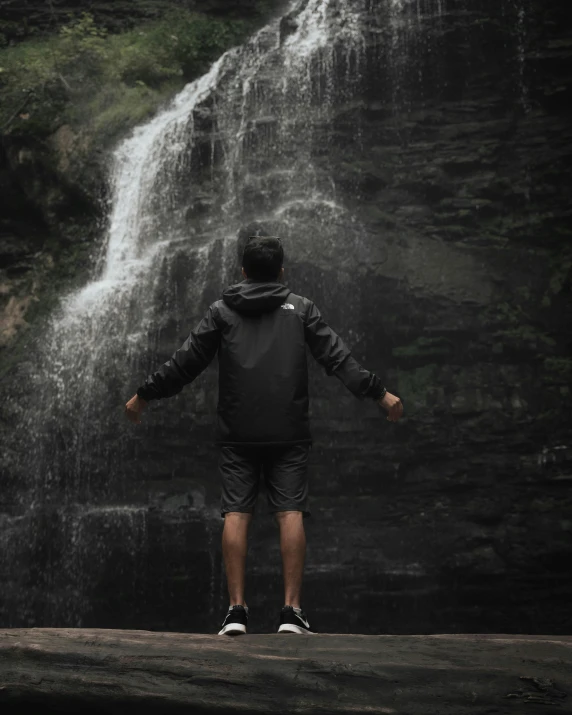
(392, 405)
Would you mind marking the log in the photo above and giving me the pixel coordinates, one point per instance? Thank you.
(120, 671)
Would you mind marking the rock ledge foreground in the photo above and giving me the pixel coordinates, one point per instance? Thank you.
(116, 671)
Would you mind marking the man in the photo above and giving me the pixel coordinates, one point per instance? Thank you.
(260, 330)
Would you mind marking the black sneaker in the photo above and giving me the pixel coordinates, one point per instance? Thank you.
(235, 622)
(293, 621)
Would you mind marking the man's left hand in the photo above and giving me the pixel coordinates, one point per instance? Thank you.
(134, 408)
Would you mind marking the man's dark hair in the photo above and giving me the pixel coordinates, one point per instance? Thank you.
(262, 258)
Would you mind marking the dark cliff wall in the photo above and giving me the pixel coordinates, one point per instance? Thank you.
(453, 146)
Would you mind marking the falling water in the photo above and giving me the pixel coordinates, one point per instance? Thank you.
(412, 27)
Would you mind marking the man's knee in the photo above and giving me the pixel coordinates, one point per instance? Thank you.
(288, 515)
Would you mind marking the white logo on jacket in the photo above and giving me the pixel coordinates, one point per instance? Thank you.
(288, 306)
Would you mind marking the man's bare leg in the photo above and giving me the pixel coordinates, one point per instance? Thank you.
(234, 547)
(293, 550)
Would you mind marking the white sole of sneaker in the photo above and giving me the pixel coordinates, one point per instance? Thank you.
(291, 628)
(233, 629)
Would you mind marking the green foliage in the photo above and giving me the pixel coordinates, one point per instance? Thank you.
(81, 41)
(189, 41)
(85, 76)
(44, 75)
(117, 107)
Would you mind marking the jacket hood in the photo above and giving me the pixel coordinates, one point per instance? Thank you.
(251, 297)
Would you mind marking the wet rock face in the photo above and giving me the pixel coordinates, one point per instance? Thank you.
(445, 133)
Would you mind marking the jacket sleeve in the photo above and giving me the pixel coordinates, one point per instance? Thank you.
(186, 363)
(333, 354)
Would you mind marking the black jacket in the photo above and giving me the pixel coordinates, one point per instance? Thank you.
(260, 331)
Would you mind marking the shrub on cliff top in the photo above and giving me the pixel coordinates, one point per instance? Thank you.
(72, 76)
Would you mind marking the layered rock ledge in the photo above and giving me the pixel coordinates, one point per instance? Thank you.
(119, 671)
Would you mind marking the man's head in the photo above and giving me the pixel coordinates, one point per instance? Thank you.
(262, 259)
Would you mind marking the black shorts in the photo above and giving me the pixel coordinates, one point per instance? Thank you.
(285, 476)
